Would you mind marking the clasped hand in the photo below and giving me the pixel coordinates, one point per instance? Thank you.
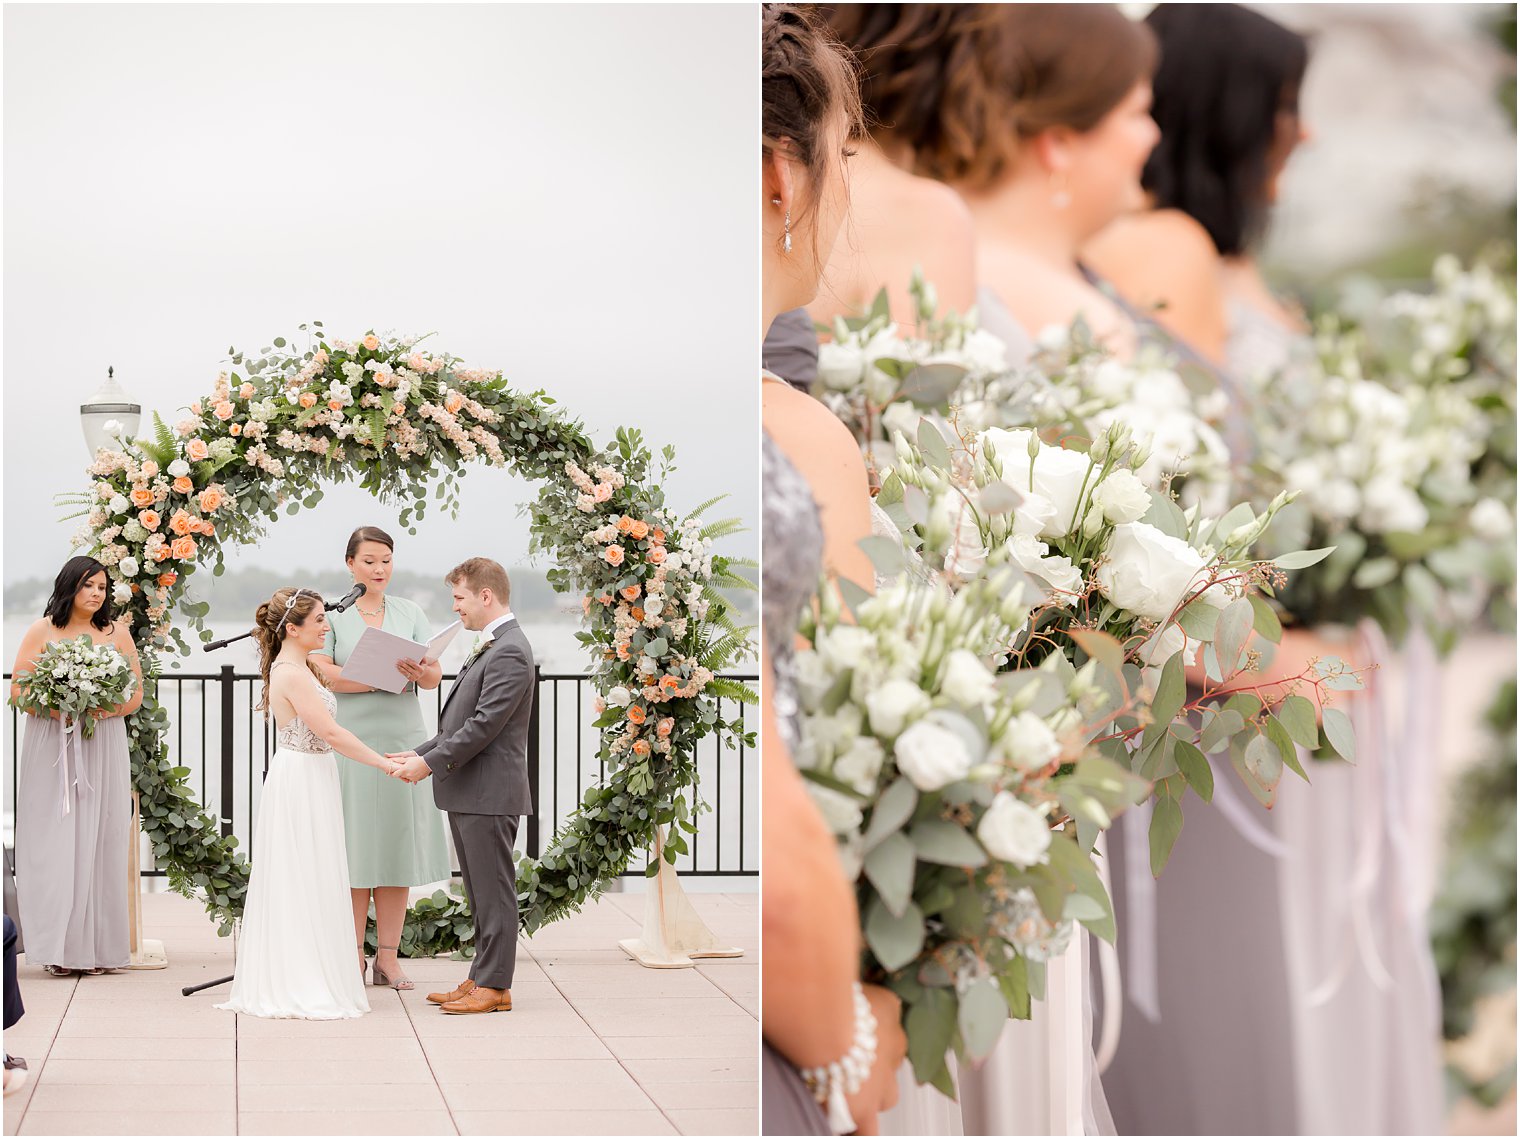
(407, 765)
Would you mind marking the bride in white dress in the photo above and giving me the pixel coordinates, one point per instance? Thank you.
(295, 954)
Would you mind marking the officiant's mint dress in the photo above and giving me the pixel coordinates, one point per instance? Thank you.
(394, 832)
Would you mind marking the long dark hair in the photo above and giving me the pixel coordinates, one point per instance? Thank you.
(75, 572)
(1228, 75)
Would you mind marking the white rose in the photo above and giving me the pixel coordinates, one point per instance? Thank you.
(1148, 572)
(1012, 831)
(179, 469)
(839, 811)
(118, 504)
(1029, 742)
(1490, 520)
(839, 366)
(1058, 475)
(985, 353)
(893, 705)
(121, 593)
(1122, 497)
(931, 756)
(966, 680)
(1033, 514)
(619, 697)
(861, 764)
(1390, 506)
(1057, 571)
(128, 567)
(901, 417)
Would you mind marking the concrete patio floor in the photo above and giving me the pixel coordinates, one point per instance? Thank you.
(595, 1044)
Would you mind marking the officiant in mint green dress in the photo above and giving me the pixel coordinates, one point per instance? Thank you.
(393, 830)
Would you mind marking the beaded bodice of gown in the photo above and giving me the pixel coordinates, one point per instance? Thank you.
(294, 735)
(793, 537)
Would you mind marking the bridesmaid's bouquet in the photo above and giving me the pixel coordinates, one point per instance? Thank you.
(78, 679)
(1401, 435)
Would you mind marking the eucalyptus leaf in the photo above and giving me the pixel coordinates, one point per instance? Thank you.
(1166, 825)
(982, 1015)
(893, 808)
(889, 867)
(894, 939)
(1339, 732)
(947, 844)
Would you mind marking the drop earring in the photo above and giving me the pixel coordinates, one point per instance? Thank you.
(1059, 197)
(786, 236)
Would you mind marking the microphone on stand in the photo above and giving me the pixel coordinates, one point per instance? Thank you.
(358, 591)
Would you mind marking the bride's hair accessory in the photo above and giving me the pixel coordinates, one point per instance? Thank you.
(831, 1083)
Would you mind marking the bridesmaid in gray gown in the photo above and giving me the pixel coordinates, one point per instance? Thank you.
(73, 802)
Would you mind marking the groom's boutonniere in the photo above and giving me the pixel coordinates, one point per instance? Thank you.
(476, 649)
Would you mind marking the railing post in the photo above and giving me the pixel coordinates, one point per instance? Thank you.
(533, 763)
(228, 681)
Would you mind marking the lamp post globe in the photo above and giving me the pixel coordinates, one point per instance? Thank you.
(108, 415)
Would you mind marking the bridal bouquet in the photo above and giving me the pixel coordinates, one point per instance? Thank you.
(1401, 434)
(78, 679)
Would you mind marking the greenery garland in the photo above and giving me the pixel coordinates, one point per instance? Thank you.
(403, 421)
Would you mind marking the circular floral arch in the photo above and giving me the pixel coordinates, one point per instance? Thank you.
(402, 421)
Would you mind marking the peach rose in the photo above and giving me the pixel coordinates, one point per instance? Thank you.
(641, 748)
(308, 400)
(204, 526)
(142, 496)
(181, 523)
(149, 519)
(601, 492)
(160, 554)
(211, 499)
(371, 342)
(638, 613)
(182, 485)
(605, 598)
(183, 548)
(235, 430)
(659, 536)
(670, 684)
(196, 450)
(335, 404)
(630, 592)
(599, 705)
(246, 391)
(167, 578)
(614, 555)
(636, 713)
(622, 651)
(665, 727)
(150, 468)
(655, 556)
(453, 402)
(639, 530)
(223, 410)
(624, 524)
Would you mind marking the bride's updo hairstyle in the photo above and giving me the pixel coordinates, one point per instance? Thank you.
(1028, 68)
(274, 618)
(807, 84)
(1226, 100)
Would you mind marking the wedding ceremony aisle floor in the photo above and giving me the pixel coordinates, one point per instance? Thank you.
(595, 1044)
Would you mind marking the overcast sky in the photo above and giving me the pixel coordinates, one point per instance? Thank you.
(563, 192)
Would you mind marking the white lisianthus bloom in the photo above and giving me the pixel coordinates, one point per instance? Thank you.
(984, 353)
(1033, 515)
(128, 567)
(118, 504)
(844, 647)
(901, 417)
(966, 680)
(619, 697)
(1148, 572)
(1029, 743)
(861, 764)
(179, 469)
(1014, 832)
(1034, 557)
(931, 756)
(1490, 520)
(840, 366)
(1058, 475)
(880, 387)
(1390, 506)
(1122, 497)
(892, 706)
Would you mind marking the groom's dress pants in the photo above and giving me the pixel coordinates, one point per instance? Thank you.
(484, 846)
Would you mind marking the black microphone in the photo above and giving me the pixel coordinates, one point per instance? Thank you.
(358, 591)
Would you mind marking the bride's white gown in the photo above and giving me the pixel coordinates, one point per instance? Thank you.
(296, 954)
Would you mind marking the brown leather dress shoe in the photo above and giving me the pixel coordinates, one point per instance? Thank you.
(444, 998)
(482, 1000)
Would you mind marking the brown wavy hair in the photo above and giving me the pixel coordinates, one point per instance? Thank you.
(1023, 69)
(272, 620)
(806, 81)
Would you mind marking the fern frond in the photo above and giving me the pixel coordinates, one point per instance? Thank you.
(711, 502)
(731, 689)
(722, 528)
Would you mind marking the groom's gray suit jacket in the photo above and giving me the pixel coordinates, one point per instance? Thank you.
(479, 757)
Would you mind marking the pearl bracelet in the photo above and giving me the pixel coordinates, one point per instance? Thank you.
(831, 1083)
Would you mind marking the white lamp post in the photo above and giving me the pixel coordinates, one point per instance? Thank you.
(109, 414)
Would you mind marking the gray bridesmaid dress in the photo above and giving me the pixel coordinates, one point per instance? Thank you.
(793, 538)
(73, 816)
(790, 350)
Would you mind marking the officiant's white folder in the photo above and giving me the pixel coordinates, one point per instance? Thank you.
(373, 661)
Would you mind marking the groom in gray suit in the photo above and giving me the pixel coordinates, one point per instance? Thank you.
(479, 761)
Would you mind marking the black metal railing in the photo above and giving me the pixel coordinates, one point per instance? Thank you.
(216, 733)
